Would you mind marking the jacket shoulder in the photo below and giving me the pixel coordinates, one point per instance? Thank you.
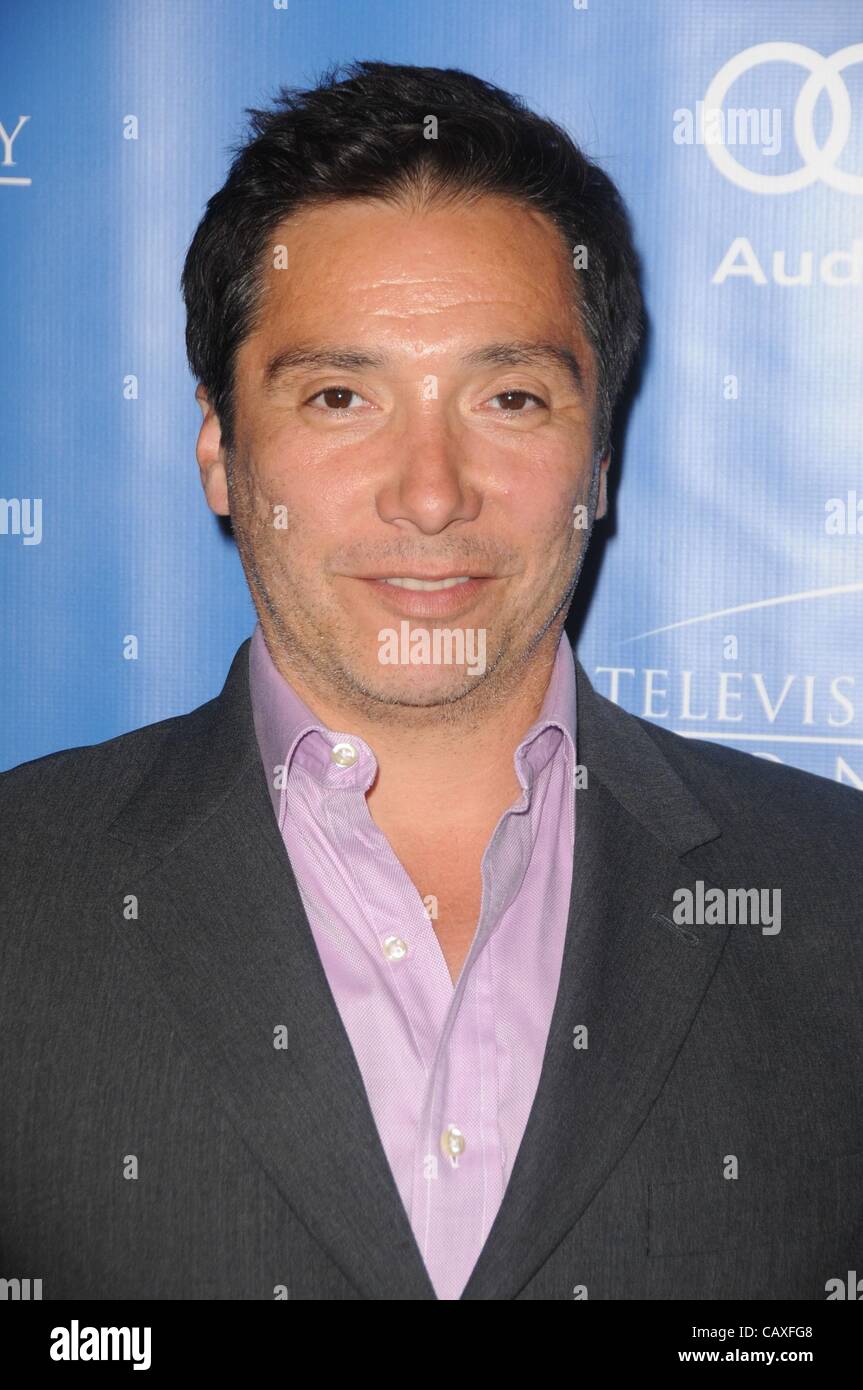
(77, 787)
(758, 789)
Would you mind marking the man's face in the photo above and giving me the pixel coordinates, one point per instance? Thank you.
(420, 444)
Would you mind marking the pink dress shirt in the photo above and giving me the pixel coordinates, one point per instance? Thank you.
(450, 1071)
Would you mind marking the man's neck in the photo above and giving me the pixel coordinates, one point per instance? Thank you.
(446, 766)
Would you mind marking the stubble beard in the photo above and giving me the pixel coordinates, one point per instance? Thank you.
(308, 649)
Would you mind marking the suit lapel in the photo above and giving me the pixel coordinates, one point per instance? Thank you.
(635, 982)
(222, 933)
(224, 937)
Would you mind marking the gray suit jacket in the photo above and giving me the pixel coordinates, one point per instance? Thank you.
(155, 1144)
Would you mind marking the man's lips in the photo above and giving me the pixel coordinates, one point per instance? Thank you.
(423, 574)
(440, 602)
(411, 580)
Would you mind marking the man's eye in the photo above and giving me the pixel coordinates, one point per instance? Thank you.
(514, 401)
(335, 398)
(339, 398)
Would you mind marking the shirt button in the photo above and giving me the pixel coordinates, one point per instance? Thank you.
(395, 948)
(452, 1141)
(344, 754)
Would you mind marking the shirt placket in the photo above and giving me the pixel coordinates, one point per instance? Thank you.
(459, 1172)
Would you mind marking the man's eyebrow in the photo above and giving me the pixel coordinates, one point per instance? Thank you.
(506, 354)
(519, 354)
(293, 359)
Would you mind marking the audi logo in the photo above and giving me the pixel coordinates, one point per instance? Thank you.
(818, 162)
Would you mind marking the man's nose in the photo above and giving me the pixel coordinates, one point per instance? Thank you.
(430, 482)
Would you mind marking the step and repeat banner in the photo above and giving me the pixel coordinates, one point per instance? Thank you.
(723, 597)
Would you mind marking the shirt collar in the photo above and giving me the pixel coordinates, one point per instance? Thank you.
(284, 726)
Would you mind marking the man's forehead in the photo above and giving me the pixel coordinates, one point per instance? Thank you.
(464, 302)
(455, 255)
(439, 213)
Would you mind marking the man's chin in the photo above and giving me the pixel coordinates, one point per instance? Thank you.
(419, 689)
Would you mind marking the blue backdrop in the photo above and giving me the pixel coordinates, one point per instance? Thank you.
(728, 601)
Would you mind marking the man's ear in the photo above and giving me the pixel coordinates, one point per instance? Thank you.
(211, 456)
(602, 501)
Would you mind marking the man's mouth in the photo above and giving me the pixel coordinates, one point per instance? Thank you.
(409, 582)
(427, 595)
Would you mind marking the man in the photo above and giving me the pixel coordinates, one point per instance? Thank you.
(409, 966)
